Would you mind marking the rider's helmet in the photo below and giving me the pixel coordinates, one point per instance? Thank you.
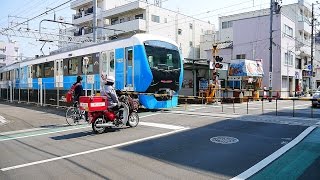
(110, 80)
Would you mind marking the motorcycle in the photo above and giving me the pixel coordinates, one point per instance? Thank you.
(101, 117)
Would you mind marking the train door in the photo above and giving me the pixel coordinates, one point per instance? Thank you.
(30, 70)
(58, 73)
(129, 69)
(107, 63)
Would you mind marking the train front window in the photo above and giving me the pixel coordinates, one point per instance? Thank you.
(162, 55)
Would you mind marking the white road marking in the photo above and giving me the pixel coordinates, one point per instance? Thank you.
(92, 151)
(45, 133)
(166, 126)
(159, 125)
(203, 107)
(204, 114)
(2, 120)
(257, 167)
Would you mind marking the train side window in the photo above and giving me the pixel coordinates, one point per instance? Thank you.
(21, 73)
(38, 71)
(104, 62)
(111, 63)
(57, 66)
(129, 56)
(73, 66)
(90, 65)
(48, 69)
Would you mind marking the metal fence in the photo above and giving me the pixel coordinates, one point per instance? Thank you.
(40, 94)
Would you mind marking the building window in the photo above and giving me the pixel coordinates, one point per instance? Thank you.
(226, 25)
(179, 31)
(298, 63)
(288, 59)
(3, 49)
(191, 26)
(240, 56)
(190, 43)
(165, 20)
(138, 16)
(155, 18)
(114, 20)
(288, 31)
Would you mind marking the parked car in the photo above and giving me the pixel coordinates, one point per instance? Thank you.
(316, 95)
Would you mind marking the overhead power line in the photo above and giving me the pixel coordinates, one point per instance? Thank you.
(44, 13)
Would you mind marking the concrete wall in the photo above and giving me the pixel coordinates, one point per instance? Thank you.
(9, 52)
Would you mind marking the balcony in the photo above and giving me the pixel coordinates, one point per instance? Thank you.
(304, 24)
(124, 9)
(305, 51)
(138, 25)
(82, 19)
(78, 3)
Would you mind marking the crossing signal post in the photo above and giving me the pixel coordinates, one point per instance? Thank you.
(216, 64)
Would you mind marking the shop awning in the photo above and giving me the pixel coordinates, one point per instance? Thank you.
(245, 67)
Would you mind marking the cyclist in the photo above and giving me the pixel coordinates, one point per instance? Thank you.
(78, 91)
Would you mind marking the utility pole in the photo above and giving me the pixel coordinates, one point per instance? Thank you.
(94, 23)
(312, 44)
(274, 7)
(270, 48)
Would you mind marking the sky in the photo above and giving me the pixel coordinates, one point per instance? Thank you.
(18, 10)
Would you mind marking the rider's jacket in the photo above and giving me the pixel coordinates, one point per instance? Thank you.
(111, 94)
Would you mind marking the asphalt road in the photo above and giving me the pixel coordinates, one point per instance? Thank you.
(187, 142)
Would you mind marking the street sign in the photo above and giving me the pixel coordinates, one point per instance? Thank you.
(90, 79)
(39, 81)
(270, 79)
(203, 84)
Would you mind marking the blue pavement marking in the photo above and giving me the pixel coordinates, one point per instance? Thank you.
(296, 161)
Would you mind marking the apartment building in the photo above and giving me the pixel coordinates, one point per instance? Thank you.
(249, 34)
(9, 53)
(121, 18)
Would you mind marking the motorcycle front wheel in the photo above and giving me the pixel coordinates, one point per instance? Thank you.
(133, 119)
(98, 130)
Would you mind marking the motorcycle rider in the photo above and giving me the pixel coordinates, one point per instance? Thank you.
(110, 93)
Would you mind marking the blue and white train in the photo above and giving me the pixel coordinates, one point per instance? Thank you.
(143, 63)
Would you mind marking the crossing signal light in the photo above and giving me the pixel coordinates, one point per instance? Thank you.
(219, 59)
(218, 65)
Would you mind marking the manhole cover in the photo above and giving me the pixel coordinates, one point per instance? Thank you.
(224, 140)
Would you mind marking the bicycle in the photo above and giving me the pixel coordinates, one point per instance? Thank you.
(74, 115)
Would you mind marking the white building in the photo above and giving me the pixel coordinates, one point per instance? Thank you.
(120, 18)
(9, 53)
(249, 33)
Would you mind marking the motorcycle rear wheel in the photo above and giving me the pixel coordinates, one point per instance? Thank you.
(98, 130)
(133, 119)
